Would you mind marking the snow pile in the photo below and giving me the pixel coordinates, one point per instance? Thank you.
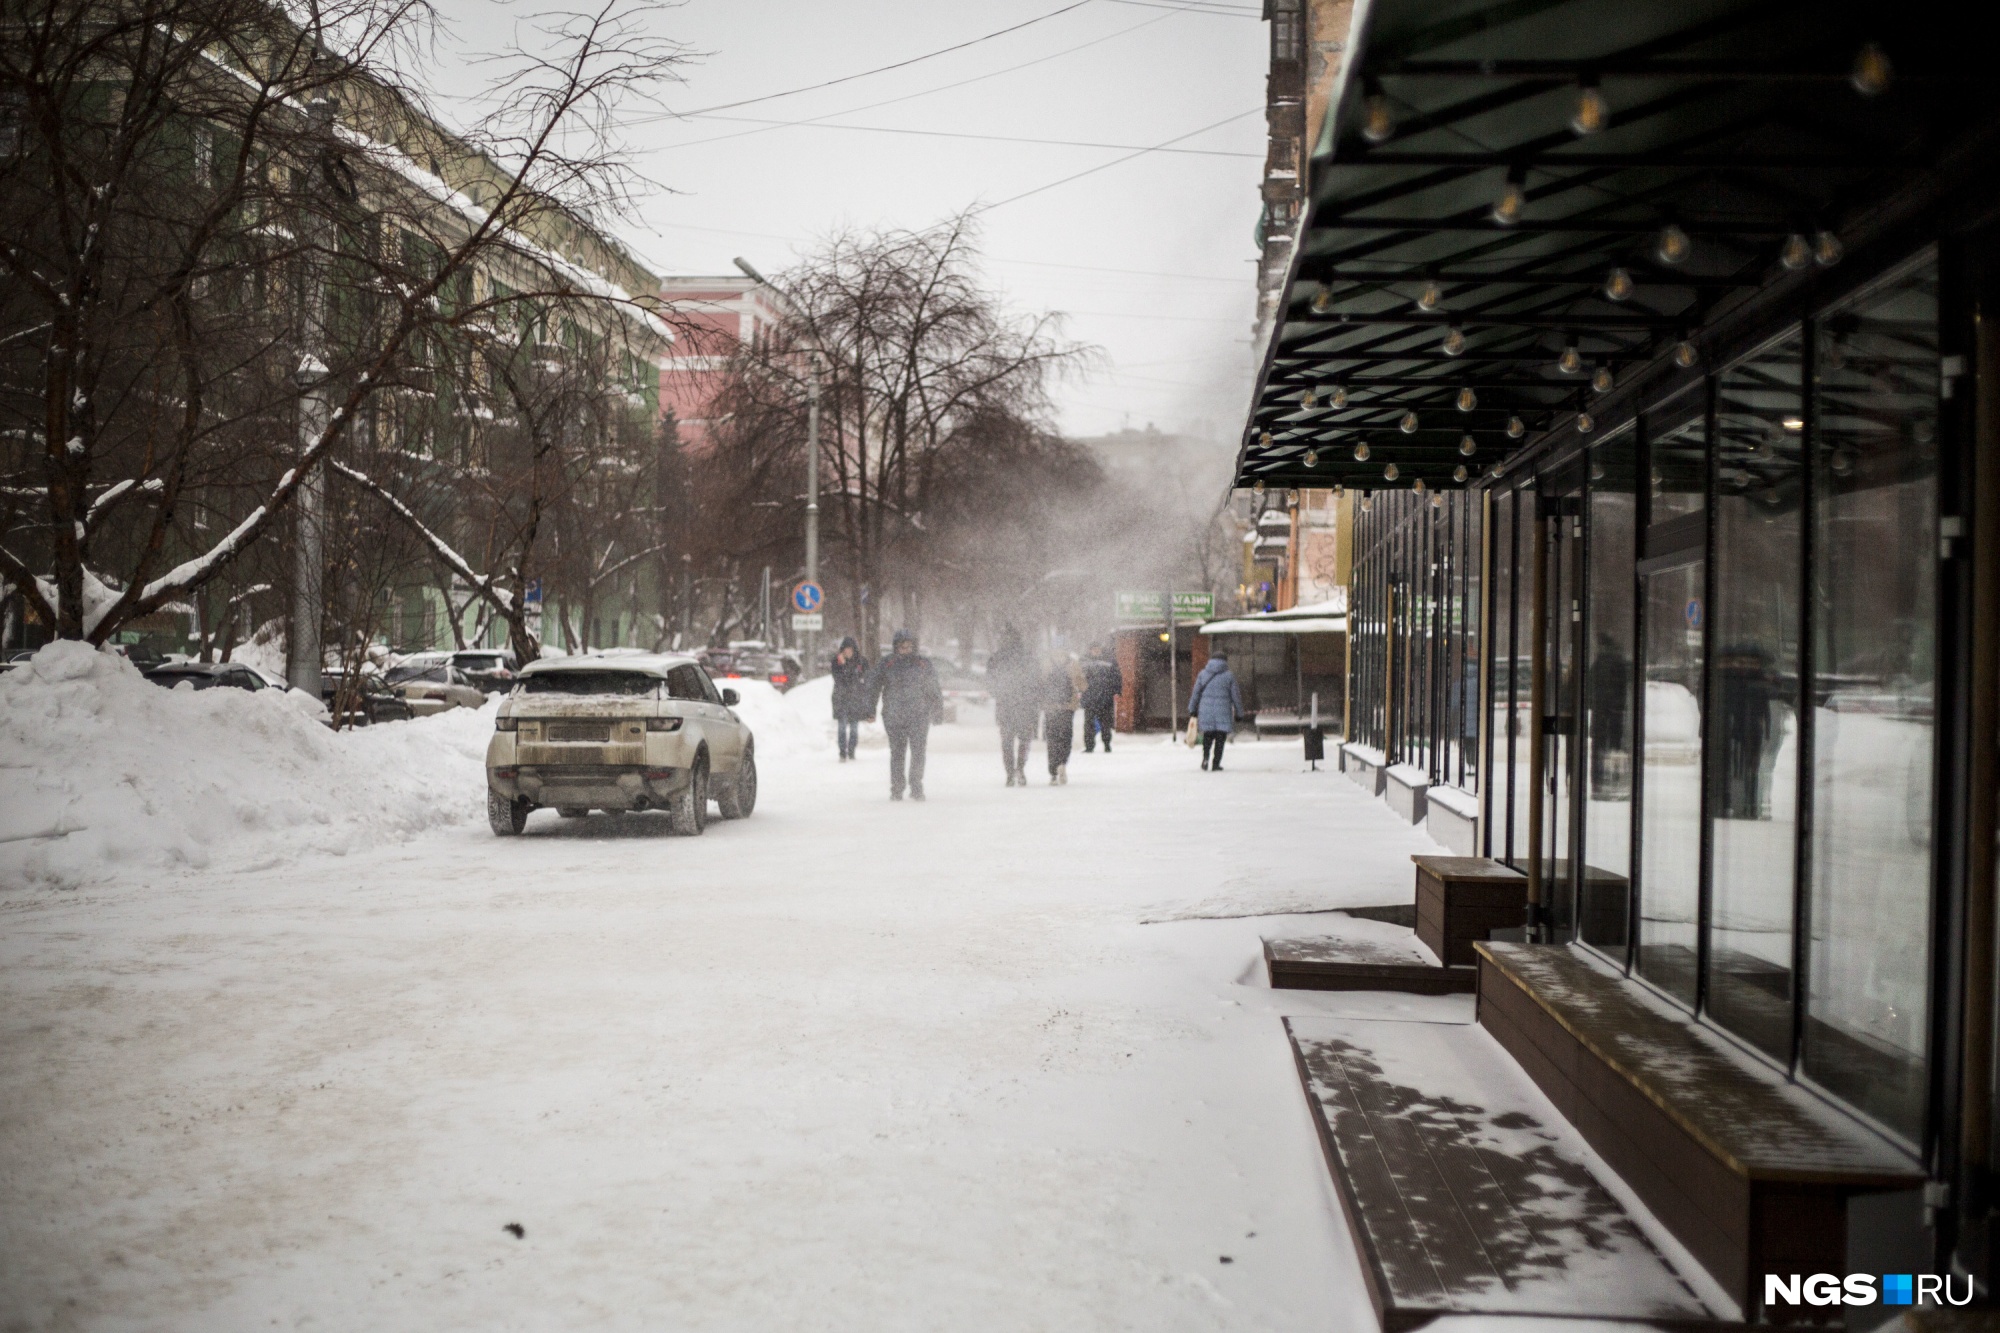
(103, 771)
(781, 727)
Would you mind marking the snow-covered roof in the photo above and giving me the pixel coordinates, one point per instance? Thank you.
(1274, 625)
(644, 664)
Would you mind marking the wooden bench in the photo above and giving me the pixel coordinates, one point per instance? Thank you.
(1463, 1190)
(1337, 964)
(1461, 898)
(1749, 1172)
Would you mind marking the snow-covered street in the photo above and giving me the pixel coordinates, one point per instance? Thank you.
(1002, 1060)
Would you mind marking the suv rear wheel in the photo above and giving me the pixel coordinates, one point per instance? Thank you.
(689, 812)
(739, 797)
(508, 816)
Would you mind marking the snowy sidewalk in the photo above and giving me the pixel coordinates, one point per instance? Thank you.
(1002, 1060)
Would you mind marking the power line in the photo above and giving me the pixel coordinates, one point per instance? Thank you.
(1200, 7)
(908, 97)
(900, 64)
(1116, 161)
(987, 138)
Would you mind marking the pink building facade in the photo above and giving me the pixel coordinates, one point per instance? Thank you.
(714, 315)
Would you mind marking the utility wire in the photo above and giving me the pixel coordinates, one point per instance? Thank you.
(900, 64)
(982, 209)
(906, 97)
(987, 138)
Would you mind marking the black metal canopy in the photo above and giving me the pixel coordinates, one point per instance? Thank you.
(1537, 201)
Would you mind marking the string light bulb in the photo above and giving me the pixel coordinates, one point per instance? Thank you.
(1593, 113)
(1367, 501)
(1585, 423)
(1418, 485)
(1391, 472)
(1361, 452)
(1685, 354)
(1467, 399)
(1467, 446)
(1258, 489)
(1796, 252)
(1571, 361)
(1454, 341)
(1312, 459)
(1408, 425)
(1322, 300)
(1496, 472)
(1340, 395)
(1618, 285)
(1265, 439)
(1437, 497)
(1827, 249)
(1459, 474)
(1513, 200)
(1601, 379)
(1673, 246)
(1431, 297)
(1378, 122)
(1516, 428)
(1872, 71)
(1308, 398)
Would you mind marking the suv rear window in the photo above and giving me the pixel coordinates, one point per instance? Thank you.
(630, 683)
(684, 682)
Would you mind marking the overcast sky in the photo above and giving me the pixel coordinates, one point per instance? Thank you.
(1174, 325)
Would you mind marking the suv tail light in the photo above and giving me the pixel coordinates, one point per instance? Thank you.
(663, 724)
(779, 680)
(507, 774)
(505, 724)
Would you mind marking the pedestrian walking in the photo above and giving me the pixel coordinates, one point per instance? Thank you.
(850, 695)
(1062, 690)
(1215, 705)
(1103, 682)
(905, 686)
(1015, 680)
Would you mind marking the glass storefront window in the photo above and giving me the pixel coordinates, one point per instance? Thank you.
(1607, 696)
(1875, 610)
(1670, 818)
(1754, 732)
(1500, 731)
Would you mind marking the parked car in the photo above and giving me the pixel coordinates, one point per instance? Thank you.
(488, 669)
(781, 670)
(368, 700)
(207, 676)
(433, 687)
(635, 732)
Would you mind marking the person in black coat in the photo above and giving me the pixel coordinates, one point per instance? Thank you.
(905, 686)
(1014, 677)
(1103, 682)
(850, 695)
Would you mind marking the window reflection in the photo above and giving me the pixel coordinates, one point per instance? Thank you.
(1874, 596)
(1607, 696)
(1753, 767)
(1670, 822)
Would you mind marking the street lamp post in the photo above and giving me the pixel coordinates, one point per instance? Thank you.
(749, 271)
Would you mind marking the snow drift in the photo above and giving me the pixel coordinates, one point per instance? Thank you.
(102, 771)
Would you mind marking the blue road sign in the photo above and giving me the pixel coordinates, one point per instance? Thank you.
(806, 598)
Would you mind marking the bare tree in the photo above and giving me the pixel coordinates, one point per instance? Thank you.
(216, 215)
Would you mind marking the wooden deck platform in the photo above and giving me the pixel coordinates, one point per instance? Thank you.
(1344, 964)
(1464, 1190)
(1751, 1173)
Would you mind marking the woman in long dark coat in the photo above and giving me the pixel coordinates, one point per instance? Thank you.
(850, 694)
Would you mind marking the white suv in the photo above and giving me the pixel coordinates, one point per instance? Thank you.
(632, 732)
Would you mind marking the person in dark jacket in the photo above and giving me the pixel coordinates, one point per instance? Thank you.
(850, 695)
(1215, 705)
(1015, 681)
(1103, 682)
(905, 686)
(1062, 688)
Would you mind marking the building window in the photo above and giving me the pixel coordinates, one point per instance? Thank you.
(1612, 518)
(1285, 32)
(1874, 606)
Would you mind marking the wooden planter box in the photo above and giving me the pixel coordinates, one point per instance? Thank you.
(1461, 898)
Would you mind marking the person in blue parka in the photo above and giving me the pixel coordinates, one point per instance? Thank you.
(1215, 705)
